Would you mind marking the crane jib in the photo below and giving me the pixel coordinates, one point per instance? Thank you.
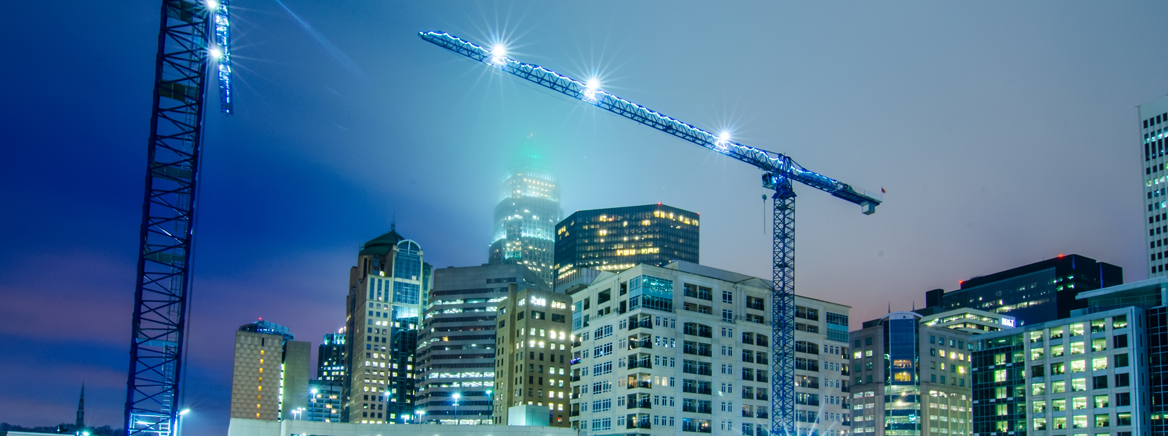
(770, 162)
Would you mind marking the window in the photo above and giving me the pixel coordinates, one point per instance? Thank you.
(1100, 401)
(1099, 382)
(1123, 399)
(727, 297)
(1122, 380)
(1119, 341)
(747, 337)
(1102, 420)
(1121, 360)
(727, 315)
(1099, 363)
(1098, 344)
(1119, 322)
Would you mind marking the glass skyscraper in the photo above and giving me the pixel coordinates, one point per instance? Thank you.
(526, 217)
(1154, 129)
(620, 238)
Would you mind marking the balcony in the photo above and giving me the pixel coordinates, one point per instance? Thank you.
(646, 322)
(760, 413)
(575, 378)
(640, 343)
(641, 384)
(642, 423)
(642, 363)
(576, 344)
(574, 413)
(642, 404)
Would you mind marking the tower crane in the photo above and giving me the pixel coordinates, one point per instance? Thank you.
(779, 174)
(191, 32)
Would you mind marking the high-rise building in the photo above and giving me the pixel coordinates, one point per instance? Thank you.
(645, 361)
(456, 347)
(1085, 374)
(330, 358)
(1038, 292)
(526, 217)
(619, 238)
(324, 401)
(911, 374)
(270, 377)
(534, 340)
(382, 318)
(1154, 129)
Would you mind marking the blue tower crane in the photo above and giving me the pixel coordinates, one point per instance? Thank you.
(779, 173)
(191, 31)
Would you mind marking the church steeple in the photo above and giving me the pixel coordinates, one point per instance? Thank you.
(81, 409)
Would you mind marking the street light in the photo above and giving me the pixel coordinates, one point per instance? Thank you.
(491, 403)
(420, 414)
(177, 424)
(456, 396)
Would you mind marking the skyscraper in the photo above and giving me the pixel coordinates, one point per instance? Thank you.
(330, 358)
(1154, 128)
(385, 300)
(270, 377)
(535, 337)
(1038, 292)
(526, 217)
(619, 238)
(456, 349)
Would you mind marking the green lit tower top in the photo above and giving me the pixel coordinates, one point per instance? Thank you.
(526, 217)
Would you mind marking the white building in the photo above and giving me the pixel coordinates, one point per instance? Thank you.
(1154, 129)
(687, 348)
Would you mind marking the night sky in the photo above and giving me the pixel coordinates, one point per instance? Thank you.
(1004, 133)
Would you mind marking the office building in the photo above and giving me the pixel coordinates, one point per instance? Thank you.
(270, 377)
(382, 319)
(330, 358)
(324, 401)
(1085, 374)
(1038, 292)
(1153, 129)
(534, 351)
(526, 217)
(687, 348)
(619, 238)
(912, 373)
(456, 348)
(969, 320)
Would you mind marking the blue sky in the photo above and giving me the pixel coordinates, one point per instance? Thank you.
(1004, 133)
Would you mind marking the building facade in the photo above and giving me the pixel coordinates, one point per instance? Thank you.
(1081, 375)
(969, 320)
(1038, 292)
(1153, 130)
(687, 349)
(330, 358)
(619, 238)
(457, 348)
(526, 217)
(324, 401)
(912, 375)
(531, 363)
(383, 311)
(269, 380)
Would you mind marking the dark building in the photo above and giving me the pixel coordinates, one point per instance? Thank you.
(330, 358)
(1034, 293)
(620, 238)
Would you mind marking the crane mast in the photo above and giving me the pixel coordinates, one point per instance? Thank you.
(779, 173)
(190, 32)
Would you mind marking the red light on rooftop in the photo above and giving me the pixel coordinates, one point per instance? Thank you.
(1060, 255)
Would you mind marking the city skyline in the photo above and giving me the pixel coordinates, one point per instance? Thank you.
(1003, 134)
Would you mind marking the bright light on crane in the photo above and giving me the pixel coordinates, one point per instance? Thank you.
(723, 141)
(590, 89)
(215, 53)
(212, 5)
(499, 54)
